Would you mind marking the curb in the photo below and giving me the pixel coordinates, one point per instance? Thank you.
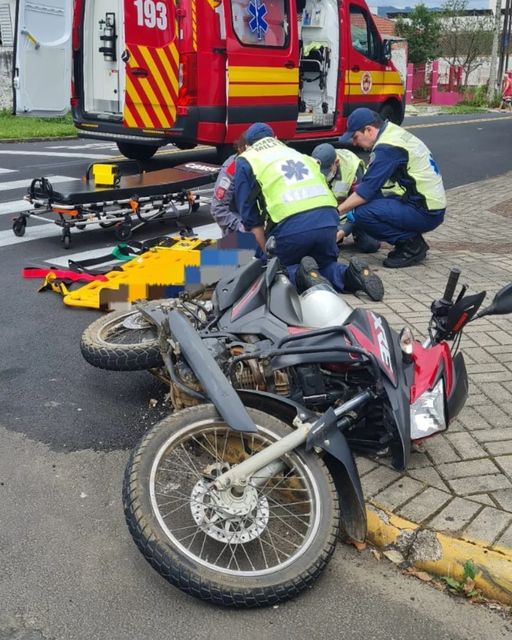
(41, 139)
(441, 554)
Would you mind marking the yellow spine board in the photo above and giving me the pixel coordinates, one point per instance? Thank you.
(158, 267)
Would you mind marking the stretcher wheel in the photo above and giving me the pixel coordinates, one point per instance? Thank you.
(18, 227)
(66, 239)
(80, 225)
(123, 231)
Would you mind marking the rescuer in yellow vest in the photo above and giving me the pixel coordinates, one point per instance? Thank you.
(401, 195)
(281, 192)
(343, 170)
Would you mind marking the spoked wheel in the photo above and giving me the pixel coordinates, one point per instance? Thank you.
(248, 546)
(121, 341)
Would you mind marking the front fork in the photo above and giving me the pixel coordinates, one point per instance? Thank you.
(268, 460)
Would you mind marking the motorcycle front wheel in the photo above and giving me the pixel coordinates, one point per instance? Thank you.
(249, 548)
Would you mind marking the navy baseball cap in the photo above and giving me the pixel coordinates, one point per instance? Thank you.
(257, 131)
(358, 119)
(325, 155)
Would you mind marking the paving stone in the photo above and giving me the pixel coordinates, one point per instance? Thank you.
(377, 480)
(493, 435)
(471, 419)
(483, 339)
(504, 498)
(500, 447)
(466, 445)
(455, 516)
(505, 540)
(418, 460)
(482, 484)
(440, 450)
(364, 465)
(429, 476)
(479, 355)
(467, 468)
(424, 505)
(495, 416)
(488, 525)
(482, 498)
(505, 462)
(399, 492)
(496, 392)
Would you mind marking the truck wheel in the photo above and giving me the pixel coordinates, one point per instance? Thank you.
(388, 112)
(137, 151)
(260, 548)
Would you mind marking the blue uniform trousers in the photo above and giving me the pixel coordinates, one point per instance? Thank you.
(321, 245)
(393, 221)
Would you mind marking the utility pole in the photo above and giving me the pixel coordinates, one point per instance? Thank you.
(491, 88)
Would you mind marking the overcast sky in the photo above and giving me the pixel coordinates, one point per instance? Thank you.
(401, 4)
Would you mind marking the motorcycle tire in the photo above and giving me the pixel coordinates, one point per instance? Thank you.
(272, 546)
(121, 341)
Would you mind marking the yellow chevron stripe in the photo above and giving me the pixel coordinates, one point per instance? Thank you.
(163, 120)
(162, 84)
(268, 74)
(250, 90)
(137, 103)
(214, 3)
(194, 25)
(128, 117)
(170, 73)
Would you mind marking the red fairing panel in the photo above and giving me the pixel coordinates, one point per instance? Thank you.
(428, 364)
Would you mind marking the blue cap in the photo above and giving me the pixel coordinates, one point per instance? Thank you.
(325, 155)
(257, 131)
(358, 119)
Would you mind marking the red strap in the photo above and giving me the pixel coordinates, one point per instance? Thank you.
(41, 272)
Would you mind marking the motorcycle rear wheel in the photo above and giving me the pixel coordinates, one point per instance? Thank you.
(276, 544)
(121, 341)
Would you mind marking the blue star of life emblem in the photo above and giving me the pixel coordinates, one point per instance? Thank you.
(257, 23)
(294, 170)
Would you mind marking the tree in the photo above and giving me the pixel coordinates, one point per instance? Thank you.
(466, 37)
(422, 30)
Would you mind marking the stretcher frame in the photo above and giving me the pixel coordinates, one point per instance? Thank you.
(135, 201)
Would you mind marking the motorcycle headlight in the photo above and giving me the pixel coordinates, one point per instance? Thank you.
(427, 413)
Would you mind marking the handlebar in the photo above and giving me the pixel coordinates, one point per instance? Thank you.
(453, 279)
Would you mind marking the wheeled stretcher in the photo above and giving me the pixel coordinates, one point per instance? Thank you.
(127, 205)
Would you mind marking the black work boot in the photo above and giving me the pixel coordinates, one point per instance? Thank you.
(406, 253)
(358, 277)
(308, 276)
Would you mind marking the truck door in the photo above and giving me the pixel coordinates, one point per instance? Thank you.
(102, 67)
(365, 75)
(42, 57)
(262, 51)
(151, 64)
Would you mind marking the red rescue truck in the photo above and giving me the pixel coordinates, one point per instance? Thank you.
(151, 72)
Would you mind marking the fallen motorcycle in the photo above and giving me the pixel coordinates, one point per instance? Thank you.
(240, 500)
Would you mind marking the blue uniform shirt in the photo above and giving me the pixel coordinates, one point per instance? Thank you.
(245, 184)
(388, 162)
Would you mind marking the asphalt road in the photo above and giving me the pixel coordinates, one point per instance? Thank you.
(70, 569)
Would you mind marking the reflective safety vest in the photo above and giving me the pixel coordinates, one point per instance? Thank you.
(421, 169)
(290, 182)
(350, 169)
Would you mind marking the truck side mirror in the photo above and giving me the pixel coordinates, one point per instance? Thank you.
(386, 50)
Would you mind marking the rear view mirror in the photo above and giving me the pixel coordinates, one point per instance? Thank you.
(501, 304)
(386, 50)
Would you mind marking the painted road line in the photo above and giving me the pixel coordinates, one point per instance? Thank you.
(95, 156)
(20, 184)
(14, 206)
(63, 260)
(6, 170)
(32, 233)
(447, 124)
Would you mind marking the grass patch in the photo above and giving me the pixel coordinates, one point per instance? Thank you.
(23, 128)
(462, 108)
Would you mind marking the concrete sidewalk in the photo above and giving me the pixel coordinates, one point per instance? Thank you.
(454, 502)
